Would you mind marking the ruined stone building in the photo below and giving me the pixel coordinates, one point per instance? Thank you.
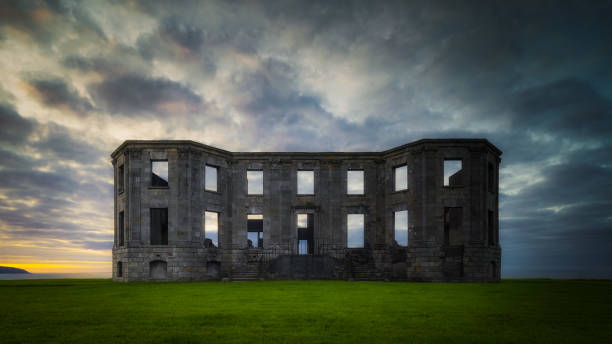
(424, 211)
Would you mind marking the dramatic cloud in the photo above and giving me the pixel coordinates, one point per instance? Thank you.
(13, 127)
(56, 93)
(133, 95)
(81, 77)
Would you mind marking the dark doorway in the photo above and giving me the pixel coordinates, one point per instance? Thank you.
(305, 225)
(158, 269)
(213, 269)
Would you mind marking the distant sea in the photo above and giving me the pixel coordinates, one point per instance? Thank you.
(30, 276)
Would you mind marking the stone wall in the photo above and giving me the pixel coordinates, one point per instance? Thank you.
(472, 255)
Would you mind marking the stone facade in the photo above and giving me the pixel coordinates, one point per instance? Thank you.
(452, 230)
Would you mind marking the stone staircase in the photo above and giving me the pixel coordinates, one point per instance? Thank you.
(362, 273)
(245, 276)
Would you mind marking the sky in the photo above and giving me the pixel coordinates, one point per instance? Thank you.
(80, 77)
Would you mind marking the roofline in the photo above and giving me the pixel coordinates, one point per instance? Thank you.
(234, 154)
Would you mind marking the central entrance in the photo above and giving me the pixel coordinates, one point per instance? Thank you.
(305, 232)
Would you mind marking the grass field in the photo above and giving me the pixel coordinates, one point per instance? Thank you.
(100, 311)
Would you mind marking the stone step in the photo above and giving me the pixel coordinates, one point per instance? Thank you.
(244, 276)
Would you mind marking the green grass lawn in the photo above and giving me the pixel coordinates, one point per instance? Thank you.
(100, 311)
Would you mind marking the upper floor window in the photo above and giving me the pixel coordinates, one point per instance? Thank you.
(305, 182)
(401, 178)
(120, 178)
(401, 227)
(453, 172)
(159, 173)
(354, 230)
(255, 182)
(354, 182)
(210, 177)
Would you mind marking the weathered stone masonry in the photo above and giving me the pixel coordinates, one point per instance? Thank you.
(452, 230)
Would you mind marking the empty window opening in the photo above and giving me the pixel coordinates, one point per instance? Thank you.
(210, 177)
(305, 233)
(305, 182)
(303, 246)
(493, 270)
(453, 172)
(255, 182)
(401, 227)
(401, 178)
(211, 228)
(159, 226)
(491, 225)
(453, 219)
(119, 269)
(354, 182)
(120, 178)
(491, 177)
(121, 229)
(158, 269)
(159, 173)
(354, 230)
(255, 230)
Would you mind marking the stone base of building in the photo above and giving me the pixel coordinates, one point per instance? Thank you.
(417, 264)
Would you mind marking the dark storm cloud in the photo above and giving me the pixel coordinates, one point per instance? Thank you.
(40, 19)
(57, 93)
(567, 106)
(133, 94)
(14, 129)
(176, 40)
(183, 34)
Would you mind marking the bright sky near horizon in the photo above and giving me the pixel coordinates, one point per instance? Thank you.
(79, 78)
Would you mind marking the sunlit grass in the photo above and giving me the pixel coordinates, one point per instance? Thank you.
(100, 311)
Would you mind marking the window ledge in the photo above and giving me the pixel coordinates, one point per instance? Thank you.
(213, 192)
(400, 191)
(159, 187)
(453, 186)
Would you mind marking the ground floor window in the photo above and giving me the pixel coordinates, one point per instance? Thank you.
(159, 226)
(401, 227)
(354, 230)
(255, 230)
(305, 233)
(211, 227)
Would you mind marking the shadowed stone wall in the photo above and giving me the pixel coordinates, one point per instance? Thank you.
(471, 254)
